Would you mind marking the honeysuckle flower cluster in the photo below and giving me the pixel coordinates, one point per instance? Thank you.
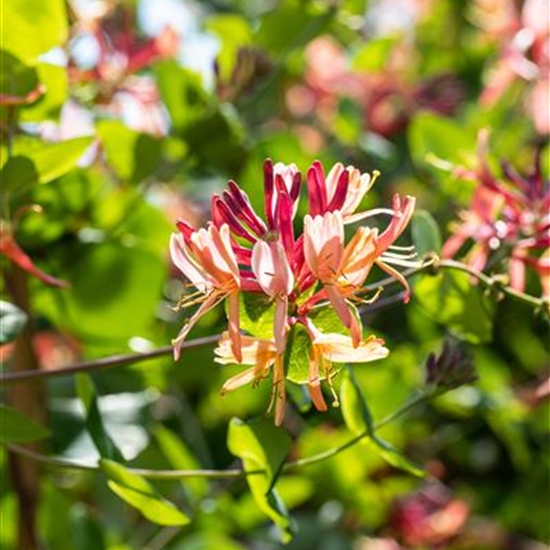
(241, 252)
(508, 214)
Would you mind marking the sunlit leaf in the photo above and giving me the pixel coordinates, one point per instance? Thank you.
(438, 144)
(425, 233)
(12, 321)
(133, 156)
(55, 82)
(373, 55)
(43, 164)
(17, 428)
(180, 458)
(234, 32)
(119, 300)
(262, 446)
(299, 342)
(358, 419)
(32, 27)
(182, 93)
(257, 314)
(141, 495)
(17, 80)
(453, 299)
(291, 26)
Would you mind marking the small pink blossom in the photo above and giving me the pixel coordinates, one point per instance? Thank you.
(241, 252)
(208, 261)
(272, 270)
(340, 269)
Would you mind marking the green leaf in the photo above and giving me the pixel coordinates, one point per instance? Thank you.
(133, 156)
(16, 428)
(373, 55)
(257, 314)
(94, 423)
(43, 164)
(358, 419)
(439, 144)
(180, 458)
(262, 446)
(141, 495)
(16, 78)
(55, 81)
(291, 26)
(299, 342)
(119, 301)
(12, 321)
(234, 32)
(442, 137)
(425, 233)
(454, 300)
(182, 93)
(32, 27)
(297, 355)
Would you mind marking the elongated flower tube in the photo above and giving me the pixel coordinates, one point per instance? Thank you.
(403, 212)
(341, 270)
(280, 179)
(208, 261)
(358, 186)
(342, 189)
(275, 277)
(337, 348)
(263, 355)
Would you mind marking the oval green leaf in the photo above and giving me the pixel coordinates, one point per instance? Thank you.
(141, 495)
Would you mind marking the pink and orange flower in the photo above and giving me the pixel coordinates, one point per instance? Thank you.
(241, 252)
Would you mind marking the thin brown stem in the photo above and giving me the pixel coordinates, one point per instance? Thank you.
(104, 363)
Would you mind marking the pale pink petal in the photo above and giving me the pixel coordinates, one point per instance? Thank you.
(403, 211)
(254, 351)
(396, 275)
(343, 311)
(185, 263)
(358, 186)
(242, 379)
(340, 349)
(332, 179)
(234, 325)
(279, 330)
(271, 267)
(314, 382)
(359, 256)
(324, 244)
(279, 393)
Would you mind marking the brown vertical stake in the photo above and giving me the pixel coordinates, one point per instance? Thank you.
(29, 400)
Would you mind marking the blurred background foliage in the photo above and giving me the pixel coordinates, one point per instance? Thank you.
(119, 117)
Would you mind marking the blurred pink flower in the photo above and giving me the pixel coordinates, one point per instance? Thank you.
(524, 41)
(275, 277)
(429, 517)
(120, 55)
(510, 213)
